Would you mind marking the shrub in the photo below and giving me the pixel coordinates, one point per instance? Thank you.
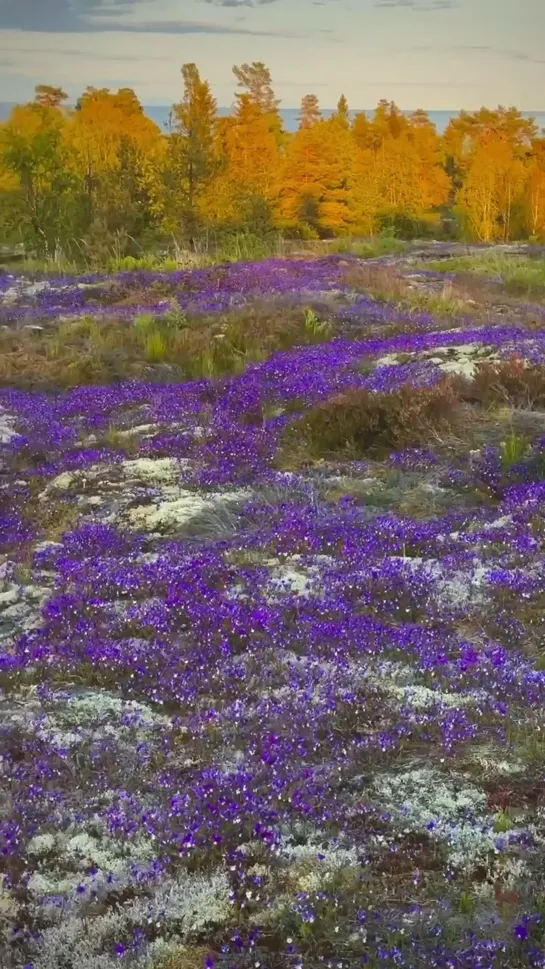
(361, 421)
(513, 382)
(182, 957)
(143, 262)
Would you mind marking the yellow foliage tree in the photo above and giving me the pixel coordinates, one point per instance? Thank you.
(493, 184)
(534, 195)
(309, 112)
(34, 161)
(104, 173)
(411, 183)
(116, 150)
(189, 161)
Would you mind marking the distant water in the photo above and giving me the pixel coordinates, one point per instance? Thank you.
(159, 114)
(440, 119)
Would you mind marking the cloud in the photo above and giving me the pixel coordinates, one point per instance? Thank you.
(183, 27)
(239, 3)
(65, 16)
(511, 55)
(432, 5)
(92, 16)
(420, 84)
(68, 52)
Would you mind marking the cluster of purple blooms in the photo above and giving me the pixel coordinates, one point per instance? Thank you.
(199, 291)
(279, 736)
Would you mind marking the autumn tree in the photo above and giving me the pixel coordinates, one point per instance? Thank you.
(534, 191)
(341, 113)
(434, 182)
(256, 83)
(48, 96)
(251, 141)
(302, 180)
(388, 121)
(104, 173)
(190, 161)
(34, 160)
(362, 131)
(463, 131)
(492, 188)
(116, 150)
(326, 182)
(255, 80)
(247, 189)
(467, 130)
(309, 112)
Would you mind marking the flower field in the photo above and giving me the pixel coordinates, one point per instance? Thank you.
(272, 664)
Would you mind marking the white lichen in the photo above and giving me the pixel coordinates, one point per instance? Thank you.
(188, 904)
(177, 512)
(449, 809)
(153, 469)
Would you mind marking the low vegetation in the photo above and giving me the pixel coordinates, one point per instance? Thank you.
(515, 383)
(237, 246)
(88, 350)
(389, 284)
(361, 422)
(271, 647)
(521, 276)
(364, 422)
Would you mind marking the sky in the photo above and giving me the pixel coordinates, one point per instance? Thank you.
(432, 54)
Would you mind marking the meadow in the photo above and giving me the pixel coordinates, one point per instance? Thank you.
(271, 613)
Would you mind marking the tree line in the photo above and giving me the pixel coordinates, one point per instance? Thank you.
(102, 173)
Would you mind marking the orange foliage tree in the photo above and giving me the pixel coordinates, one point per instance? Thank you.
(249, 146)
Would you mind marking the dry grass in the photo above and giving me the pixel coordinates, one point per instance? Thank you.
(231, 248)
(448, 301)
(187, 957)
(388, 284)
(382, 282)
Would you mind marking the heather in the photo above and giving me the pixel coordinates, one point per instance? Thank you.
(271, 634)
